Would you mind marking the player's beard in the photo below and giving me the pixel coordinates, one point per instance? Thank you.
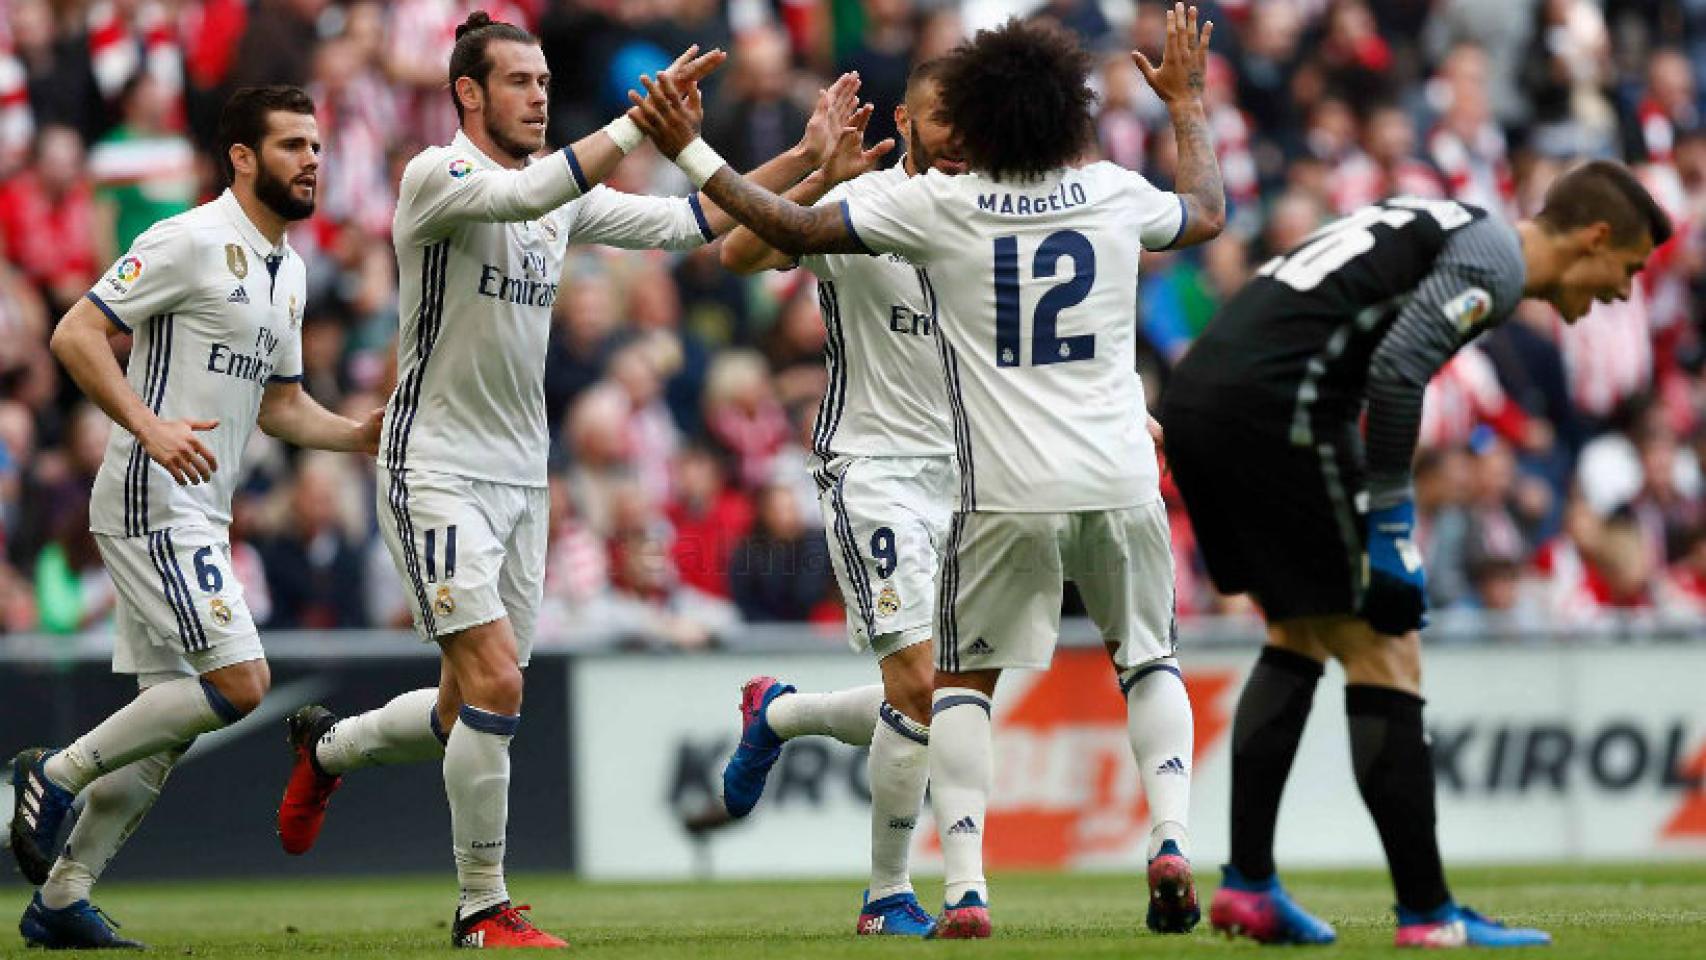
(517, 151)
(275, 193)
(922, 158)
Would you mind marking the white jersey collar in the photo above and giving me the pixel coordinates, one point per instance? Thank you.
(464, 142)
(246, 228)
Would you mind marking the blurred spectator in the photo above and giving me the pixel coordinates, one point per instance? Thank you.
(743, 415)
(1386, 164)
(1565, 77)
(314, 567)
(47, 220)
(278, 45)
(709, 520)
(781, 571)
(1669, 108)
(143, 170)
(883, 57)
(73, 591)
(1467, 146)
(753, 118)
(599, 453)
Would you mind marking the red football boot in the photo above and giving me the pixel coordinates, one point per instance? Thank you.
(502, 928)
(303, 809)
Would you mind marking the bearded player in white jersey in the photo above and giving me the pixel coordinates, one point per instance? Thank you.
(886, 482)
(1035, 260)
(213, 299)
(481, 231)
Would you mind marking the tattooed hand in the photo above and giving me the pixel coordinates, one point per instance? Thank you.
(1184, 57)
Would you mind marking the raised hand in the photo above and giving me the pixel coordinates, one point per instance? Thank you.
(1184, 57)
(665, 116)
(849, 159)
(693, 66)
(835, 107)
(173, 444)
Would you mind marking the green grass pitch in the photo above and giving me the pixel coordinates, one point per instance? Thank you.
(1640, 912)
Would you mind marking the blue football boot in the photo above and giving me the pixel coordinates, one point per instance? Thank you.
(1455, 926)
(1263, 911)
(38, 813)
(896, 915)
(80, 926)
(745, 773)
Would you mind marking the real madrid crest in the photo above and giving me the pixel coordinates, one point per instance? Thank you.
(888, 602)
(548, 224)
(237, 260)
(444, 604)
(220, 610)
(295, 318)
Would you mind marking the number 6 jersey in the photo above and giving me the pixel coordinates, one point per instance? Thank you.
(1034, 288)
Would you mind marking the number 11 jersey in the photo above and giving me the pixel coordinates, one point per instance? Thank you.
(1034, 287)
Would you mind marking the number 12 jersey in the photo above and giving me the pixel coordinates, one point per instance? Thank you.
(1034, 287)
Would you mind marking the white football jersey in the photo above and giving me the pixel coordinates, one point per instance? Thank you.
(213, 324)
(479, 256)
(1035, 286)
(885, 397)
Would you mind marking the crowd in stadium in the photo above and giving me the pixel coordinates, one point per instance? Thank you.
(1559, 478)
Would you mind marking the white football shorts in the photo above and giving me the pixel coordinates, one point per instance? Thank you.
(180, 607)
(468, 551)
(1004, 573)
(887, 521)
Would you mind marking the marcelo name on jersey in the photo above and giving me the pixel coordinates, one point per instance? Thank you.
(1064, 196)
(498, 285)
(256, 366)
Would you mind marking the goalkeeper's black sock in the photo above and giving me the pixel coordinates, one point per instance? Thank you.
(1394, 770)
(1272, 711)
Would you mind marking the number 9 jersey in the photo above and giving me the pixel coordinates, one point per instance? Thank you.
(1034, 286)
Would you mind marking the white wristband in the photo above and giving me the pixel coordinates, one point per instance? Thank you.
(699, 162)
(625, 133)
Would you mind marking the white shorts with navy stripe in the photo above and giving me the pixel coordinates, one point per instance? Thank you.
(1003, 577)
(180, 608)
(887, 522)
(468, 551)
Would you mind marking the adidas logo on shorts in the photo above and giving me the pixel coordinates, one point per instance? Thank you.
(980, 648)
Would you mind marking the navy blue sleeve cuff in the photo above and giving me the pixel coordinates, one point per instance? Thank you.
(275, 378)
(575, 170)
(112, 317)
(1184, 221)
(699, 215)
(847, 218)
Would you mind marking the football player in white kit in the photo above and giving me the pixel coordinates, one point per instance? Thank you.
(1034, 258)
(213, 299)
(481, 233)
(886, 482)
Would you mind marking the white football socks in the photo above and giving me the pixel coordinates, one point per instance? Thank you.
(899, 767)
(402, 731)
(162, 716)
(1158, 720)
(849, 716)
(476, 778)
(113, 807)
(962, 771)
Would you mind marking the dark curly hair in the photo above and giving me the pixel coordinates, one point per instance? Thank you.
(468, 58)
(1019, 98)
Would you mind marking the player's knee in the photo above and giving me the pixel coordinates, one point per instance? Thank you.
(237, 690)
(497, 688)
(910, 691)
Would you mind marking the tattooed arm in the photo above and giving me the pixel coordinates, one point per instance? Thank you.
(785, 225)
(1179, 83)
